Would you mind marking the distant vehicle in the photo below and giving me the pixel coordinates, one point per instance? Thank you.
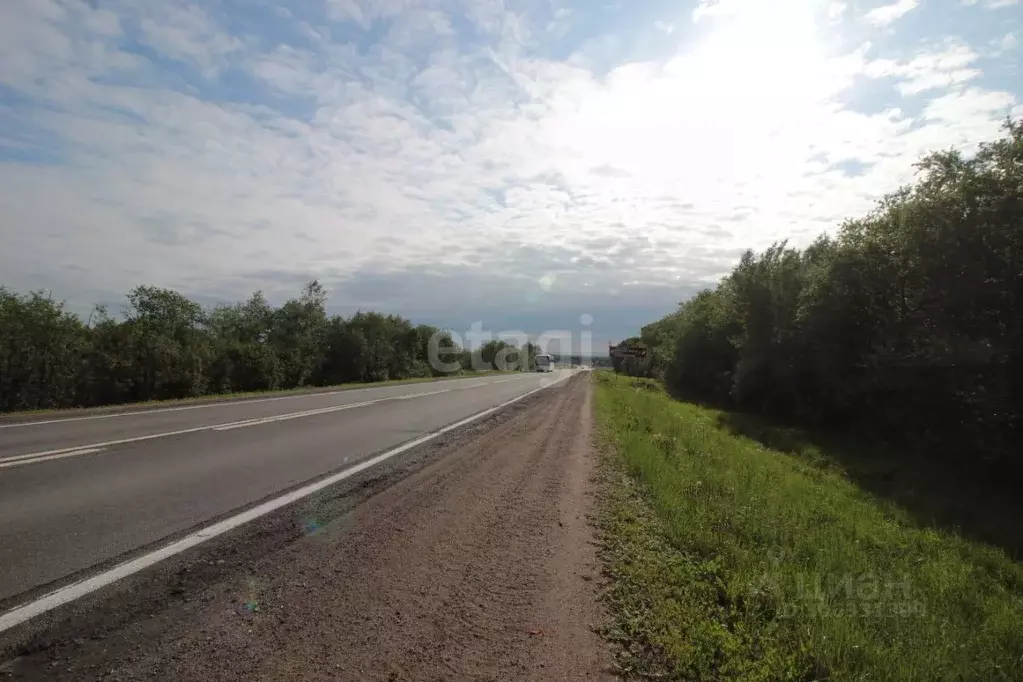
(544, 363)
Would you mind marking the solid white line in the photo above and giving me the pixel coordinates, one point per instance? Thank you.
(4, 464)
(74, 591)
(219, 403)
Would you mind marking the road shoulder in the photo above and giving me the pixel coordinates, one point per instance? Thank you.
(481, 564)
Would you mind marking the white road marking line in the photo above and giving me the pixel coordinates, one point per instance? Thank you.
(84, 449)
(79, 589)
(294, 415)
(61, 453)
(182, 408)
(4, 464)
(79, 448)
(420, 395)
(222, 403)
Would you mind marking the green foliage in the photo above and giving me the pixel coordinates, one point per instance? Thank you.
(166, 346)
(729, 560)
(659, 339)
(908, 323)
(499, 355)
(40, 350)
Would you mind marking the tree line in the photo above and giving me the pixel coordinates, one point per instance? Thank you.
(907, 323)
(166, 346)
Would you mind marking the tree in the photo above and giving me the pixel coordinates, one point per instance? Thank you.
(908, 323)
(169, 341)
(297, 334)
(40, 350)
(167, 346)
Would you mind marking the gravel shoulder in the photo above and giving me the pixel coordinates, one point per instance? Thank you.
(479, 564)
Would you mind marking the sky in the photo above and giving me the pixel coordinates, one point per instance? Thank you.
(519, 164)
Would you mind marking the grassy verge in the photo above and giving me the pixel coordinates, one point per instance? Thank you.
(216, 397)
(730, 560)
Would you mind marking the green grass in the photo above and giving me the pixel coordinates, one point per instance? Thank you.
(970, 501)
(214, 397)
(730, 560)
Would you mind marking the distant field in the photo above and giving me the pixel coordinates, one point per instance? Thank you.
(731, 560)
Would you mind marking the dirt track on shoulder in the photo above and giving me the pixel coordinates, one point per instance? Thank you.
(479, 566)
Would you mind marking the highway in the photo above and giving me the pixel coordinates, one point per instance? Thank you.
(79, 491)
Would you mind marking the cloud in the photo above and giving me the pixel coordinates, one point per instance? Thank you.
(459, 161)
(950, 65)
(287, 69)
(718, 8)
(959, 108)
(836, 10)
(887, 14)
(187, 33)
(992, 4)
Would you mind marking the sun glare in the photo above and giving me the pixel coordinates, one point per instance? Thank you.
(740, 105)
(749, 74)
(760, 66)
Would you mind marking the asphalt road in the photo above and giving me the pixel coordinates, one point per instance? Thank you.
(77, 492)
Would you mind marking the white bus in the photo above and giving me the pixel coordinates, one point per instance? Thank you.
(544, 363)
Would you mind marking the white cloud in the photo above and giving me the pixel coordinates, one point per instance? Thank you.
(718, 8)
(434, 166)
(1002, 48)
(962, 108)
(349, 10)
(836, 10)
(887, 14)
(187, 33)
(952, 64)
(288, 69)
(992, 4)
